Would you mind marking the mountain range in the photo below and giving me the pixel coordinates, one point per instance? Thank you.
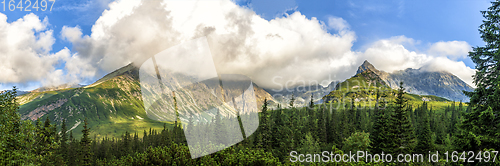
(423, 82)
(113, 104)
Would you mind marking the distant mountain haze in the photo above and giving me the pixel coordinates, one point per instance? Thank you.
(59, 87)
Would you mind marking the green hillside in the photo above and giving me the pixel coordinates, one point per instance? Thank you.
(362, 88)
(113, 104)
(112, 107)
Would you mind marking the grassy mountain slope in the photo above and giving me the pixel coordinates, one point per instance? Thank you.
(112, 105)
(423, 82)
(362, 89)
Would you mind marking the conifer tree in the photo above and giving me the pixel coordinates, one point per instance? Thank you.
(460, 110)
(292, 100)
(483, 120)
(295, 127)
(64, 140)
(441, 130)
(73, 148)
(311, 122)
(85, 142)
(424, 133)
(145, 140)
(380, 138)
(276, 137)
(432, 118)
(16, 136)
(265, 138)
(321, 126)
(282, 138)
(454, 120)
(46, 143)
(220, 129)
(311, 103)
(401, 127)
(328, 124)
(126, 144)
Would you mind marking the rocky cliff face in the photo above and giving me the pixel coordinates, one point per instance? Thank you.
(422, 82)
(367, 66)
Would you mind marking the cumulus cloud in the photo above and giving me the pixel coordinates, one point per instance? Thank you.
(290, 47)
(337, 23)
(283, 51)
(71, 33)
(129, 31)
(25, 46)
(451, 49)
(391, 55)
(457, 68)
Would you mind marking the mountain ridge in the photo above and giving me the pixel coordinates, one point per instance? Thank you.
(423, 82)
(112, 104)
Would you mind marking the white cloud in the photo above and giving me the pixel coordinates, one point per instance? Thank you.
(117, 11)
(291, 47)
(457, 68)
(337, 23)
(391, 55)
(79, 69)
(450, 49)
(286, 48)
(24, 50)
(71, 34)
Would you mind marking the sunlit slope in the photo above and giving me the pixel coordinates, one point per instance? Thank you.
(423, 82)
(112, 105)
(361, 90)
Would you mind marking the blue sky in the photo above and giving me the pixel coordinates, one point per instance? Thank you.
(426, 22)
(66, 13)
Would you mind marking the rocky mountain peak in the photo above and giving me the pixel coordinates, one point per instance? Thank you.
(420, 81)
(366, 66)
(131, 69)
